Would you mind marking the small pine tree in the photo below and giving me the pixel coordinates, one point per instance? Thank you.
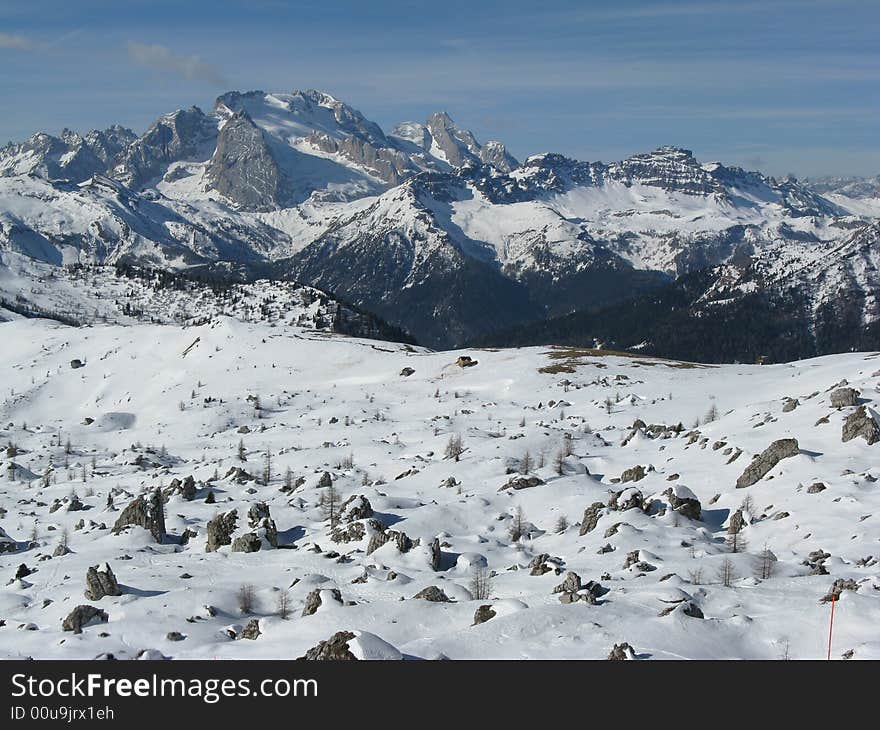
(727, 573)
(242, 456)
(559, 463)
(765, 563)
(267, 467)
(525, 464)
(481, 583)
(329, 504)
(561, 524)
(210, 498)
(283, 605)
(454, 448)
(517, 525)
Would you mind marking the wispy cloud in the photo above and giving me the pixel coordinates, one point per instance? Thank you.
(164, 59)
(15, 42)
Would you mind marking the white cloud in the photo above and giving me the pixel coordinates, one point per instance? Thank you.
(164, 59)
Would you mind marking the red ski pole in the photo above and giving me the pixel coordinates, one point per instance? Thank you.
(831, 626)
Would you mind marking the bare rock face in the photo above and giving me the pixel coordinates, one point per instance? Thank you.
(148, 513)
(621, 652)
(83, 616)
(220, 530)
(263, 525)
(433, 594)
(766, 460)
(844, 397)
(101, 582)
(860, 423)
(243, 168)
(314, 600)
(591, 518)
(333, 649)
(483, 614)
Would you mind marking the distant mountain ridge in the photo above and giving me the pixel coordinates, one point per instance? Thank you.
(437, 233)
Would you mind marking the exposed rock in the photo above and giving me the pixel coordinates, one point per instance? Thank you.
(174, 636)
(436, 555)
(766, 460)
(621, 652)
(684, 501)
(333, 649)
(789, 405)
(76, 364)
(220, 530)
(844, 397)
(406, 372)
(247, 543)
(82, 616)
(433, 594)
(325, 481)
(633, 474)
(591, 518)
(816, 487)
(378, 539)
(860, 423)
(356, 507)
(483, 614)
(260, 520)
(838, 587)
(571, 584)
(522, 482)
(148, 513)
(627, 499)
(465, 361)
(101, 582)
(252, 630)
(539, 564)
(314, 600)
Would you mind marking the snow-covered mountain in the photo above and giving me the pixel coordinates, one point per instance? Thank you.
(436, 232)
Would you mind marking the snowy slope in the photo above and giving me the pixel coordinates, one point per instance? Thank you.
(155, 403)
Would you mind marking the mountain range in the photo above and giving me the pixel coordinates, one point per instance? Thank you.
(452, 240)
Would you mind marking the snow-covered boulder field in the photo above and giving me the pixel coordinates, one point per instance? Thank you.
(241, 490)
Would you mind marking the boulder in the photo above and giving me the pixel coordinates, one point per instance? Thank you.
(220, 530)
(684, 501)
(483, 614)
(465, 361)
(406, 372)
(633, 474)
(83, 616)
(252, 630)
(844, 397)
(860, 423)
(766, 460)
(433, 594)
(101, 582)
(356, 507)
(522, 482)
(591, 518)
(436, 555)
(333, 649)
(621, 652)
(146, 512)
(314, 600)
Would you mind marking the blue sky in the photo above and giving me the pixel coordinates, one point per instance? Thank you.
(778, 85)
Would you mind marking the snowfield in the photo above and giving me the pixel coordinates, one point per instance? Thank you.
(653, 555)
